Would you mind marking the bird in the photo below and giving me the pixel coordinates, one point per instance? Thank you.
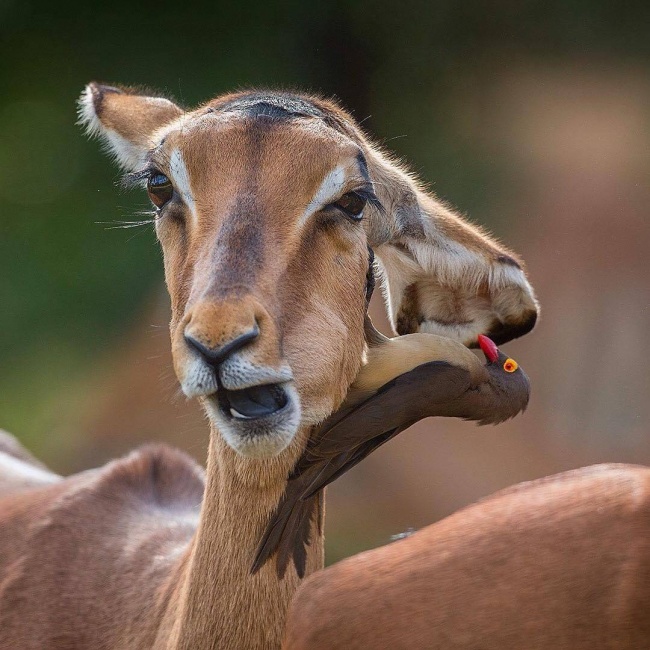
(404, 379)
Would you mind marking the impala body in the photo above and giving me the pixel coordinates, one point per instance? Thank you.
(265, 206)
(562, 563)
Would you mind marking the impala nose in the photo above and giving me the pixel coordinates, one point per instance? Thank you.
(217, 355)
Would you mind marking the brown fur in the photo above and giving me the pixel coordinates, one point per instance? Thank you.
(557, 564)
(51, 576)
(110, 558)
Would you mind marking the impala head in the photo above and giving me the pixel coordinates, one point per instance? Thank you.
(266, 204)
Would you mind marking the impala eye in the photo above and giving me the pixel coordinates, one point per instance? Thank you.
(510, 365)
(352, 204)
(160, 189)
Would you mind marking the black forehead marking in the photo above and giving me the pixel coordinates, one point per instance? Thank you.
(363, 166)
(272, 106)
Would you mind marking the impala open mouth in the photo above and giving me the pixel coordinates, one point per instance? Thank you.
(254, 402)
(259, 421)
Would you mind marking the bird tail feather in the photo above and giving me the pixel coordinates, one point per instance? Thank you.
(288, 531)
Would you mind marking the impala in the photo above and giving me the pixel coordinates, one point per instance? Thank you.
(561, 563)
(266, 204)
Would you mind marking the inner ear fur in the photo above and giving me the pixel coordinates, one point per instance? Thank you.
(441, 274)
(126, 119)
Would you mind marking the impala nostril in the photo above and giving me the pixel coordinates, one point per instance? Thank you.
(216, 356)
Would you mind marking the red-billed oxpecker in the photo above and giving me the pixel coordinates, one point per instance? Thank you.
(405, 379)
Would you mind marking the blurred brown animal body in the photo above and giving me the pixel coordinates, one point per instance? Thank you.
(260, 198)
(561, 563)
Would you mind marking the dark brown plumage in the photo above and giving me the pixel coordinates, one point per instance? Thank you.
(450, 381)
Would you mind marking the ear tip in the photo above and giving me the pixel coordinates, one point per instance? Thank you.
(90, 105)
(96, 91)
(502, 333)
(87, 110)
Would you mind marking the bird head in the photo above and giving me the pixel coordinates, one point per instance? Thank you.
(506, 378)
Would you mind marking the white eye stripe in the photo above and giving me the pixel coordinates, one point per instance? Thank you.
(329, 189)
(180, 178)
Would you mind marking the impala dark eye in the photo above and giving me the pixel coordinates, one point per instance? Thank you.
(352, 204)
(160, 189)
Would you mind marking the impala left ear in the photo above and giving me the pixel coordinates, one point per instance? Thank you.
(440, 274)
(126, 119)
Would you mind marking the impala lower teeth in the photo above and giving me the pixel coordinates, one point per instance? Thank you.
(238, 415)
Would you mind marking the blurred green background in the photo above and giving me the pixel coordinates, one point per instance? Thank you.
(531, 117)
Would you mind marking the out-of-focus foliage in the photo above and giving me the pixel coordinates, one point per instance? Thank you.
(452, 86)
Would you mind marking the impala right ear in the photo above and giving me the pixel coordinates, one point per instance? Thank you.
(125, 120)
(442, 275)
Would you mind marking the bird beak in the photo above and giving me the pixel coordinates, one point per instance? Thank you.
(490, 350)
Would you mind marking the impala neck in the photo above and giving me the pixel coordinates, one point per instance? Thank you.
(221, 604)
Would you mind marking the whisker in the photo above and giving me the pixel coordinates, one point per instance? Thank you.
(395, 137)
(115, 225)
(148, 217)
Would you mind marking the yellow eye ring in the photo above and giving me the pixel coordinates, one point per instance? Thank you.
(510, 365)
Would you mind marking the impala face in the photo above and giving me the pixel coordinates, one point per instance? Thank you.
(260, 254)
(260, 223)
(265, 205)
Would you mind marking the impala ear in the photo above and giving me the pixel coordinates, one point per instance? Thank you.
(125, 120)
(440, 274)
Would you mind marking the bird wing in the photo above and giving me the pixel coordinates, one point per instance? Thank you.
(415, 395)
(288, 530)
(344, 462)
(395, 407)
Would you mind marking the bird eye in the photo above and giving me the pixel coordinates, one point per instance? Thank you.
(352, 204)
(510, 365)
(160, 189)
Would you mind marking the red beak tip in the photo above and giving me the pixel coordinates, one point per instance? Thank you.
(489, 348)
